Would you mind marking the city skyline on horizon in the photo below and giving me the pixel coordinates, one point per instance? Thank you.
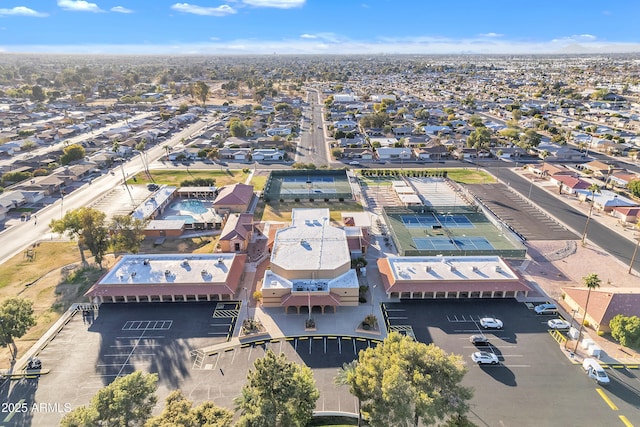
(233, 27)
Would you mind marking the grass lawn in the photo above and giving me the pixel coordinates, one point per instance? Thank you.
(258, 181)
(470, 176)
(176, 176)
(276, 211)
(51, 289)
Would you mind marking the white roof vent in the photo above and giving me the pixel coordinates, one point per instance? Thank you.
(476, 269)
(185, 262)
(167, 272)
(220, 260)
(498, 269)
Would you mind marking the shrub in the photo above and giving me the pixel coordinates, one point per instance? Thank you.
(626, 330)
(309, 323)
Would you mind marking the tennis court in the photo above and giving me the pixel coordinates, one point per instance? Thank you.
(290, 185)
(431, 220)
(455, 243)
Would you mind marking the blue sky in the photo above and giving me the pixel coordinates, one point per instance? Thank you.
(319, 26)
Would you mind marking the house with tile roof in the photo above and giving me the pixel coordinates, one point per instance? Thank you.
(234, 198)
(604, 304)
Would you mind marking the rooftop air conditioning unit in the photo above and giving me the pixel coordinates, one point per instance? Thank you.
(427, 268)
(498, 269)
(185, 262)
(476, 269)
(133, 274)
(452, 268)
(221, 260)
(146, 261)
(167, 272)
(204, 272)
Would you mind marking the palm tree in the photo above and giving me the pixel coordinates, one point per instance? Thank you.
(591, 281)
(593, 188)
(543, 155)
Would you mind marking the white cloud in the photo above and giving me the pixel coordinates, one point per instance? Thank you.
(221, 10)
(22, 11)
(329, 43)
(579, 38)
(278, 4)
(79, 6)
(308, 36)
(491, 35)
(121, 9)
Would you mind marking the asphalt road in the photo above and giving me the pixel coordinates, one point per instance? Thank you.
(312, 146)
(600, 235)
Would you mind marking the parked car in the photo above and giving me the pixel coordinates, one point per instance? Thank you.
(478, 340)
(354, 163)
(491, 323)
(546, 309)
(483, 357)
(152, 187)
(595, 371)
(558, 324)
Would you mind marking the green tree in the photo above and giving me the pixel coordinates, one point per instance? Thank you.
(127, 401)
(87, 225)
(634, 187)
(37, 94)
(126, 233)
(200, 91)
(626, 330)
(530, 138)
(179, 411)
(13, 177)
(16, 317)
(277, 393)
(72, 153)
(237, 128)
(591, 281)
(401, 382)
(594, 189)
(480, 138)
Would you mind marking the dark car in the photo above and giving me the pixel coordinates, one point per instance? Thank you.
(478, 340)
(152, 187)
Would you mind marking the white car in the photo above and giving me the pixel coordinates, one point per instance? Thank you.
(491, 323)
(483, 357)
(558, 324)
(354, 163)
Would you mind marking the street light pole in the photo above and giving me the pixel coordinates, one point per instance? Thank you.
(633, 258)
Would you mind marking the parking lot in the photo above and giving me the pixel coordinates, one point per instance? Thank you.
(92, 350)
(534, 381)
(519, 214)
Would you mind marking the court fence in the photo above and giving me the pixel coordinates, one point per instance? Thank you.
(273, 190)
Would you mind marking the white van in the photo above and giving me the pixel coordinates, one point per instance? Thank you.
(595, 371)
(546, 309)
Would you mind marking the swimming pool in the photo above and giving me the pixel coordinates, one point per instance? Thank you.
(193, 206)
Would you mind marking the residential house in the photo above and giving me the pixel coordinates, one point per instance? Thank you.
(626, 214)
(394, 153)
(569, 184)
(434, 152)
(280, 131)
(267, 155)
(606, 200)
(235, 154)
(362, 153)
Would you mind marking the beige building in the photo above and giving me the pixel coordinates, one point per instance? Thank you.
(310, 265)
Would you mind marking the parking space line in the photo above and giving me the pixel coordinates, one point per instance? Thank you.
(606, 399)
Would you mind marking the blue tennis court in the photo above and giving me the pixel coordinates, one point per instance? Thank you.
(456, 243)
(448, 221)
(304, 180)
